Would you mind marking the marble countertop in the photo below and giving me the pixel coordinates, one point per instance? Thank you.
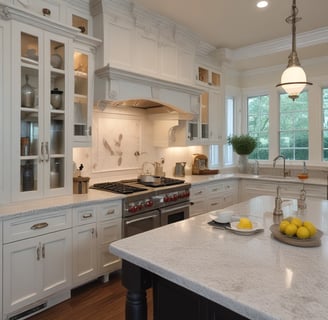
(255, 276)
(198, 179)
(60, 202)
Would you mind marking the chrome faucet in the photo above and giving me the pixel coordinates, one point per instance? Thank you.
(285, 173)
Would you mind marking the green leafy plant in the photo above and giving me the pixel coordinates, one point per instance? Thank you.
(243, 144)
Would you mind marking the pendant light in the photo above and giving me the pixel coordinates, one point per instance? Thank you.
(293, 79)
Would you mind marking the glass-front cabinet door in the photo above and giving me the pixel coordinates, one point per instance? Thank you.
(41, 98)
(83, 66)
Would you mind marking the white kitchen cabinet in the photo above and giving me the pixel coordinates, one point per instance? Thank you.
(253, 188)
(109, 229)
(208, 77)
(41, 99)
(95, 227)
(83, 94)
(37, 261)
(211, 196)
(84, 245)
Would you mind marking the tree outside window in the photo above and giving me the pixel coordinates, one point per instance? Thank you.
(325, 124)
(294, 127)
(258, 125)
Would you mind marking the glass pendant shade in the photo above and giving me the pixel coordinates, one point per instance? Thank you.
(293, 81)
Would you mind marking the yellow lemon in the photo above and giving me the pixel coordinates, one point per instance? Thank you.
(283, 224)
(297, 221)
(290, 230)
(303, 233)
(245, 223)
(311, 227)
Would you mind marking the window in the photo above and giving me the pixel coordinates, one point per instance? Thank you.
(294, 127)
(258, 125)
(325, 124)
(230, 116)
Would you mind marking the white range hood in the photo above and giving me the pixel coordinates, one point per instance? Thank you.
(159, 98)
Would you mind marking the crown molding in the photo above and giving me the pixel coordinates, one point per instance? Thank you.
(306, 39)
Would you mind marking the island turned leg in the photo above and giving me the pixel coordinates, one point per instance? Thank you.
(136, 280)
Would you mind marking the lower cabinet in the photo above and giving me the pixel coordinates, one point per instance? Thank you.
(249, 188)
(34, 269)
(95, 227)
(206, 197)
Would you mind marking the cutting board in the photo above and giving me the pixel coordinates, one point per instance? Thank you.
(311, 242)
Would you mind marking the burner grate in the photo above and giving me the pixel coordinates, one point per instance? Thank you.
(117, 187)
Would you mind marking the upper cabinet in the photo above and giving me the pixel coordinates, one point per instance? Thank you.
(208, 77)
(41, 100)
(83, 68)
(49, 73)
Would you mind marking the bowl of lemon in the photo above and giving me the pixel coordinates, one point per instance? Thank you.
(295, 231)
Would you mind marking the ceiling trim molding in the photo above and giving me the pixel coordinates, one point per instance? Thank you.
(306, 39)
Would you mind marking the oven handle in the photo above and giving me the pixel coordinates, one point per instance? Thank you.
(174, 208)
(141, 219)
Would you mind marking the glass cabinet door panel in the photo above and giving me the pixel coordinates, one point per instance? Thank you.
(29, 175)
(204, 114)
(81, 79)
(57, 172)
(57, 134)
(29, 48)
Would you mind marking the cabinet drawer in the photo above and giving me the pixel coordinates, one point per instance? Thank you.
(35, 225)
(198, 191)
(84, 215)
(111, 210)
(216, 188)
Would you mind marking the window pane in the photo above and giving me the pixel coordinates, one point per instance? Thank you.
(230, 116)
(325, 124)
(294, 127)
(258, 125)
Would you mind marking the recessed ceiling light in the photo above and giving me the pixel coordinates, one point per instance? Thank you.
(262, 4)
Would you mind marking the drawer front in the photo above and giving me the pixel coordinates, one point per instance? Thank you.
(108, 211)
(36, 224)
(84, 215)
(198, 191)
(215, 189)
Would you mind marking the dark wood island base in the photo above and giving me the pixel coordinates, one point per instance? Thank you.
(171, 301)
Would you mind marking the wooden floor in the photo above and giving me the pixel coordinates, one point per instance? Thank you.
(94, 301)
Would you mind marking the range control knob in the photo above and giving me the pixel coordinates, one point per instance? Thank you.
(133, 208)
(175, 197)
(149, 203)
(166, 198)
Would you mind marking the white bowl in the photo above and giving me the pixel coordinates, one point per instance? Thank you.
(221, 216)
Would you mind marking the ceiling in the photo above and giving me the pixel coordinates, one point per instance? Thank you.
(239, 24)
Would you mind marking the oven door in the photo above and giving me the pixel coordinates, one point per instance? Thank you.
(140, 223)
(175, 213)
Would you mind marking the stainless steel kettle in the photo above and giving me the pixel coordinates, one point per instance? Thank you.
(179, 170)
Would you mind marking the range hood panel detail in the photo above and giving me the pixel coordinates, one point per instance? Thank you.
(124, 89)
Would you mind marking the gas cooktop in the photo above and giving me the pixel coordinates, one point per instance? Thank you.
(134, 185)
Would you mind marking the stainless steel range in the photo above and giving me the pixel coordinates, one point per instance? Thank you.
(150, 205)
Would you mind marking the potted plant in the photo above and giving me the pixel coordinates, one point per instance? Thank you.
(243, 145)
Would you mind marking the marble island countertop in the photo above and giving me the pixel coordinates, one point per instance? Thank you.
(255, 276)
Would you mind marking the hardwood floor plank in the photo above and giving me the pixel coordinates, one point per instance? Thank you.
(96, 301)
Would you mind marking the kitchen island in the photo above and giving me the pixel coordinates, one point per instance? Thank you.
(201, 272)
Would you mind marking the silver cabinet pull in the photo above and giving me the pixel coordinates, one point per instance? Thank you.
(199, 192)
(110, 212)
(41, 157)
(40, 225)
(38, 252)
(43, 251)
(47, 151)
(87, 216)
